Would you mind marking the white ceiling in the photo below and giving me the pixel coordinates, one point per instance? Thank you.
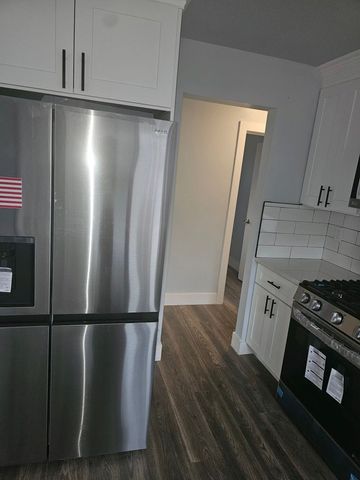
(305, 31)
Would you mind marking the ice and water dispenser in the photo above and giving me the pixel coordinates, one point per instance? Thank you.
(17, 257)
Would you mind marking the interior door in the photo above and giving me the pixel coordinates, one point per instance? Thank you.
(126, 50)
(250, 212)
(36, 43)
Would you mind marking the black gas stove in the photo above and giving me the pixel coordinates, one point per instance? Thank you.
(336, 302)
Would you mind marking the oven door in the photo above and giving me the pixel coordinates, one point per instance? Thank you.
(324, 376)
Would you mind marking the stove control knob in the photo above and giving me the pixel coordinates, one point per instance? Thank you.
(336, 318)
(316, 305)
(305, 298)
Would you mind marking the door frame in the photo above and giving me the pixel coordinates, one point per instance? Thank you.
(245, 128)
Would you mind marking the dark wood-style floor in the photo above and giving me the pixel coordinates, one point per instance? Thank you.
(214, 415)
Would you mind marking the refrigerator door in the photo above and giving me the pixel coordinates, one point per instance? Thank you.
(112, 180)
(23, 394)
(25, 206)
(100, 388)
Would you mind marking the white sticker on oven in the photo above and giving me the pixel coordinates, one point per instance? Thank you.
(5, 280)
(335, 387)
(315, 367)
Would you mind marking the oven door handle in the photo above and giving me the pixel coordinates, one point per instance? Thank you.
(309, 323)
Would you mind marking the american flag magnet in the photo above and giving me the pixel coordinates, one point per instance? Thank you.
(10, 192)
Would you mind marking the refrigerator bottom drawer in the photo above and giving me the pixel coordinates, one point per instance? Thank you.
(101, 383)
(23, 394)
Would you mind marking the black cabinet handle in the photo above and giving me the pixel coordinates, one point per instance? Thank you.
(272, 308)
(82, 71)
(266, 305)
(63, 81)
(322, 189)
(274, 284)
(329, 190)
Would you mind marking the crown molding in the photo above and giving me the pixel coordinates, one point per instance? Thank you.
(341, 69)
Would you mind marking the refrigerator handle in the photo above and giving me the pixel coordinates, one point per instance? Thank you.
(82, 71)
(63, 82)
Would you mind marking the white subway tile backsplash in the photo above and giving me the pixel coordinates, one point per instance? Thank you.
(337, 259)
(304, 252)
(348, 235)
(337, 219)
(271, 213)
(333, 231)
(332, 244)
(355, 266)
(291, 240)
(317, 241)
(293, 231)
(352, 222)
(274, 252)
(311, 228)
(277, 226)
(298, 215)
(267, 238)
(320, 216)
(350, 250)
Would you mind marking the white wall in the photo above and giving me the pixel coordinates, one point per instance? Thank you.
(205, 163)
(251, 144)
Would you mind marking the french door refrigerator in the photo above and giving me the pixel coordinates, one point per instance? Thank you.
(102, 182)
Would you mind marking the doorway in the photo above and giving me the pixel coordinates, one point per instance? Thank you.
(211, 149)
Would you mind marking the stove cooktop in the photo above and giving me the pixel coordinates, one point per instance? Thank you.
(343, 294)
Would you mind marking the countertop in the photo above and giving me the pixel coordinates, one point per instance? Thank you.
(297, 270)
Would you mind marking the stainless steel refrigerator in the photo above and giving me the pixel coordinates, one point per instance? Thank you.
(83, 251)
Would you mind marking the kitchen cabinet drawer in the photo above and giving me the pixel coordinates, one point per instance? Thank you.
(275, 284)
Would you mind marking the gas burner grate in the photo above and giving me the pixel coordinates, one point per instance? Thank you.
(344, 294)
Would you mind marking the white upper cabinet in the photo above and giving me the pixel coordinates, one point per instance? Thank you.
(335, 149)
(36, 43)
(127, 50)
(121, 51)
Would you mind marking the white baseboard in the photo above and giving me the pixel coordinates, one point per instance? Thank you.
(240, 347)
(191, 298)
(158, 352)
(234, 263)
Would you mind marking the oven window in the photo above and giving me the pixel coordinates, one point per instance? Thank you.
(340, 419)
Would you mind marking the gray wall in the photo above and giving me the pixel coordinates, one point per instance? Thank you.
(251, 144)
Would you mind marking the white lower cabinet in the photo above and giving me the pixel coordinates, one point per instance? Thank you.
(269, 324)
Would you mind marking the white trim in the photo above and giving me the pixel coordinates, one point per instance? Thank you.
(191, 298)
(158, 351)
(341, 69)
(234, 263)
(177, 3)
(241, 348)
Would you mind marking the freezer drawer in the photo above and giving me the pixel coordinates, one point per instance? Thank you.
(23, 394)
(101, 381)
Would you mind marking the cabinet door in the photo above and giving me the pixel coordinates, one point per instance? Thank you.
(278, 330)
(327, 144)
(33, 36)
(127, 50)
(260, 303)
(347, 162)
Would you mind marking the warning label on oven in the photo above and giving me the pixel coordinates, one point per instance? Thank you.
(315, 367)
(335, 387)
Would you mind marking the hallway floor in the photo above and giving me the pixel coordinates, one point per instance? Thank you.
(214, 414)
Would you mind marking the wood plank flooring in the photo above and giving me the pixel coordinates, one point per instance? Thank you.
(214, 415)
